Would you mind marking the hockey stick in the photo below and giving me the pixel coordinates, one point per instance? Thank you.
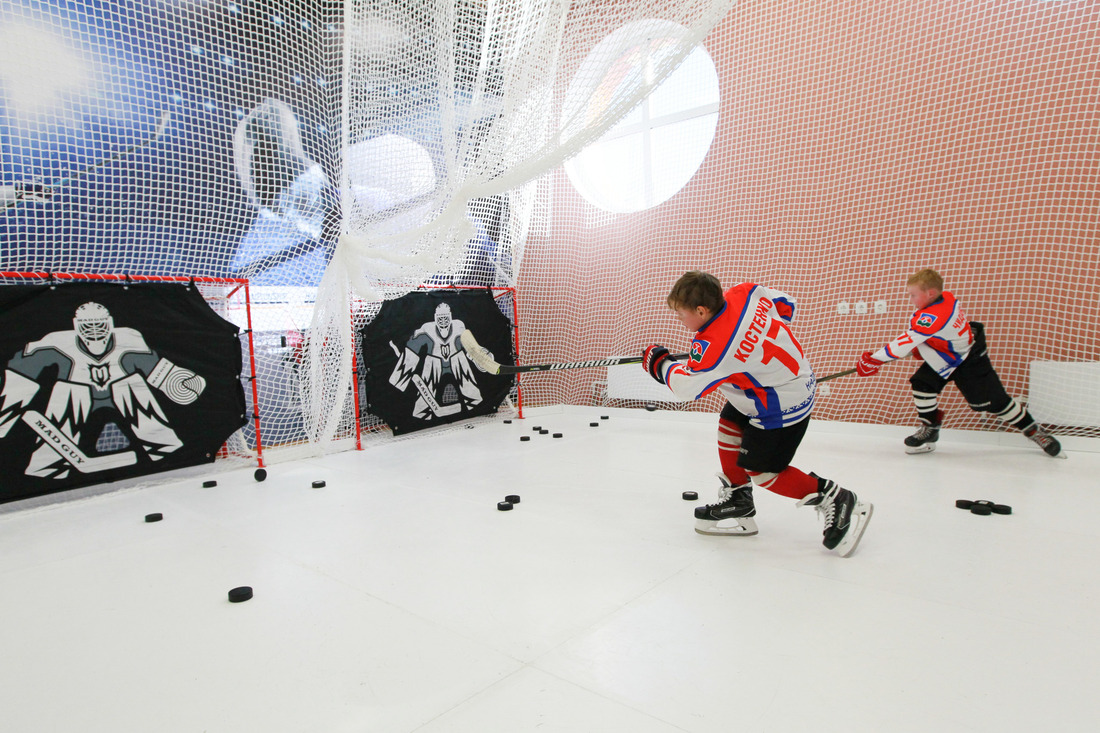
(429, 399)
(481, 359)
(844, 373)
(157, 133)
(67, 449)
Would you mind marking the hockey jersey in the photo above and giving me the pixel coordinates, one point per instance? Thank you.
(748, 352)
(939, 332)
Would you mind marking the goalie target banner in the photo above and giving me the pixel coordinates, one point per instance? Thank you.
(416, 371)
(104, 382)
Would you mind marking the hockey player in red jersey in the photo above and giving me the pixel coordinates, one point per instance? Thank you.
(744, 348)
(953, 350)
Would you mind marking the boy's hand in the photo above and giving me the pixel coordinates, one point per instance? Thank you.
(651, 360)
(868, 366)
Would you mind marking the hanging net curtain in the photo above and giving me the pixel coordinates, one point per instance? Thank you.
(449, 111)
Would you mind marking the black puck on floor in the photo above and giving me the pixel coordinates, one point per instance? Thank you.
(544, 432)
(240, 594)
(260, 474)
(318, 484)
(209, 484)
(651, 406)
(1001, 509)
(593, 424)
(537, 428)
(981, 509)
(963, 503)
(690, 496)
(507, 422)
(557, 435)
(983, 502)
(525, 437)
(504, 506)
(605, 417)
(512, 498)
(154, 517)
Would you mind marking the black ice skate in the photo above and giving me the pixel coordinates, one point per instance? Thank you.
(731, 515)
(1044, 440)
(846, 517)
(924, 440)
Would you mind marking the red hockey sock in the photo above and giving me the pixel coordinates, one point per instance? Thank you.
(729, 447)
(789, 482)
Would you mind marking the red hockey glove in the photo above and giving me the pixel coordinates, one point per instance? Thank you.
(652, 358)
(868, 365)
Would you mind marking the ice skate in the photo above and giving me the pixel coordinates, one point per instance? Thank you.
(1044, 440)
(924, 440)
(732, 514)
(846, 517)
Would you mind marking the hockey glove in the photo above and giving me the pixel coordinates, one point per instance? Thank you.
(868, 366)
(652, 360)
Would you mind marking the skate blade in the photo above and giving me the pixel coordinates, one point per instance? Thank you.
(862, 515)
(926, 448)
(746, 527)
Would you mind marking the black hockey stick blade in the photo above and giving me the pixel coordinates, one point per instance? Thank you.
(486, 363)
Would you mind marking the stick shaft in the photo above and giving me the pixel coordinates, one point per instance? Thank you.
(610, 361)
(844, 373)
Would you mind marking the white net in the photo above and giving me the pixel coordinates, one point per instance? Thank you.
(339, 154)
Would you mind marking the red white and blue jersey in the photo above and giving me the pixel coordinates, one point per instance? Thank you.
(748, 352)
(939, 332)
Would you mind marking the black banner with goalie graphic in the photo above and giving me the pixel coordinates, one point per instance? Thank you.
(415, 369)
(102, 382)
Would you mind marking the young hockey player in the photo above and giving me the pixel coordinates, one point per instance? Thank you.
(953, 350)
(744, 347)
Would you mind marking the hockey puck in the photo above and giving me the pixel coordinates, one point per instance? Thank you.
(963, 503)
(536, 428)
(690, 496)
(507, 422)
(983, 502)
(260, 474)
(605, 417)
(557, 435)
(318, 484)
(1001, 509)
(155, 517)
(981, 509)
(512, 498)
(544, 432)
(525, 437)
(651, 406)
(237, 595)
(593, 424)
(504, 506)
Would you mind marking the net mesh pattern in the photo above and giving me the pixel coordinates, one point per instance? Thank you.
(339, 154)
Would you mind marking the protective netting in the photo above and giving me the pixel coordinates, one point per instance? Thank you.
(858, 143)
(338, 154)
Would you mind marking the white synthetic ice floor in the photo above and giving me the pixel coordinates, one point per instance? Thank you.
(399, 599)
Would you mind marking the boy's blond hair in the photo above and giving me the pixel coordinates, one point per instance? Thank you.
(927, 278)
(695, 289)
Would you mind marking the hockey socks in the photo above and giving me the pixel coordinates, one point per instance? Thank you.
(729, 448)
(789, 482)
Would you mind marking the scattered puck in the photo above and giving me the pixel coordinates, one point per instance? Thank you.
(690, 496)
(1001, 509)
(318, 484)
(557, 435)
(605, 417)
(525, 437)
(512, 498)
(209, 484)
(155, 517)
(507, 422)
(981, 509)
(544, 432)
(504, 506)
(963, 503)
(237, 595)
(983, 502)
(261, 474)
(650, 406)
(537, 428)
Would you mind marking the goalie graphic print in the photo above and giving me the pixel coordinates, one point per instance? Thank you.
(417, 372)
(97, 400)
